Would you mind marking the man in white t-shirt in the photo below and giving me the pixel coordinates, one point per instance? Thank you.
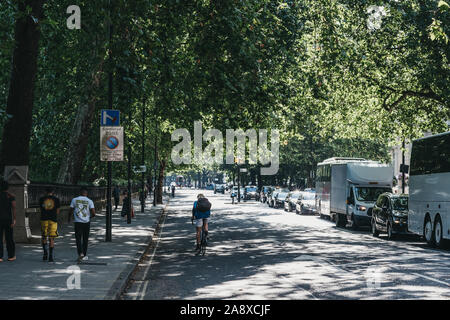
(83, 210)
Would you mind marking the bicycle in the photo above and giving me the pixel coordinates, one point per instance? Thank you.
(203, 239)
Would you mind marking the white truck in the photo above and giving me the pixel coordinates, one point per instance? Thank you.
(347, 189)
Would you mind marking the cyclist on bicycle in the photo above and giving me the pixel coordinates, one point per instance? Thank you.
(201, 219)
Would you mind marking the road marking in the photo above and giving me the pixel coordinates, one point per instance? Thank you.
(141, 293)
(432, 279)
(295, 284)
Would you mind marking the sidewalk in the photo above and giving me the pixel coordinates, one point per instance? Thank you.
(31, 278)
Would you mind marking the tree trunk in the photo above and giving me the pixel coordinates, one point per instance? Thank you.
(17, 130)
(72, 165)
(159, 190)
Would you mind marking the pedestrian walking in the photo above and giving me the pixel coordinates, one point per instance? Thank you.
(126, 205)
(83, 210)
(116, 195)
(50, 206)
(7, 221)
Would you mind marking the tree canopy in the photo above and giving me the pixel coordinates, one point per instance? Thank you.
(336, 77)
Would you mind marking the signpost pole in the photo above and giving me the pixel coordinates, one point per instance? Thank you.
(108, 233)
(109, 205)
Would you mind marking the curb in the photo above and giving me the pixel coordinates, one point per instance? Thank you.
(124, 277)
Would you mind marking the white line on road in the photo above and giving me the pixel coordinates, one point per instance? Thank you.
(432, 279)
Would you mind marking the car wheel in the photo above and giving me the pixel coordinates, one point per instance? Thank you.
(375, 232)
(390, 233)
(428, 232)
(438, 240)
(354, 224)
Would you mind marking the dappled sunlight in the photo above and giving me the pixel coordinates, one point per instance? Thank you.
(256, 252)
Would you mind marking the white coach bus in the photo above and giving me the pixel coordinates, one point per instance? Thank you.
(429, 188)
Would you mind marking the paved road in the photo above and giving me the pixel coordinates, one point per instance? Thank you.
(256, 252)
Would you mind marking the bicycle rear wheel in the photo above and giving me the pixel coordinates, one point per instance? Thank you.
(203, 244)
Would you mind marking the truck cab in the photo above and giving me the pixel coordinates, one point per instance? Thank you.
(360, 201)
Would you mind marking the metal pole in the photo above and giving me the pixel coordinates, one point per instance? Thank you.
(239, 182)
(403, 166)
(109, 205)
(143, 157)
(129, 177)
(154, 165)
(108, 234)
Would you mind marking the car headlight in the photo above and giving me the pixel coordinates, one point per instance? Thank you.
(361, 208)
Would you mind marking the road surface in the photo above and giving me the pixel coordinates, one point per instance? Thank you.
(257, 252)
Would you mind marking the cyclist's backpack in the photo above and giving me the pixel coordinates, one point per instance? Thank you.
(203, 205)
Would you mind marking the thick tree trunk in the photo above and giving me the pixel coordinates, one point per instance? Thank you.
(17, 130)
(72, 165)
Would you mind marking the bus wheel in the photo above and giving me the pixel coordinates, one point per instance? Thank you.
(437, 234)
(428, 232)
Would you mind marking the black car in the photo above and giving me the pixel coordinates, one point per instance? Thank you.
(251, 192)
(265, 190)
(219, 188)
(390, 215)
(291, 201)
(306, 204)
(280, 199)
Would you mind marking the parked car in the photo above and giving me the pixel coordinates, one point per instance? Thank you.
(251, 192)
(291, 201)
(219, 188)
(235, 190)
(271, 197)
(264, 193)
(281, 198)
(210, 186)
(390, 215)
(306, 203)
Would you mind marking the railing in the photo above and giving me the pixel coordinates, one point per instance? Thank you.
(66, 193)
